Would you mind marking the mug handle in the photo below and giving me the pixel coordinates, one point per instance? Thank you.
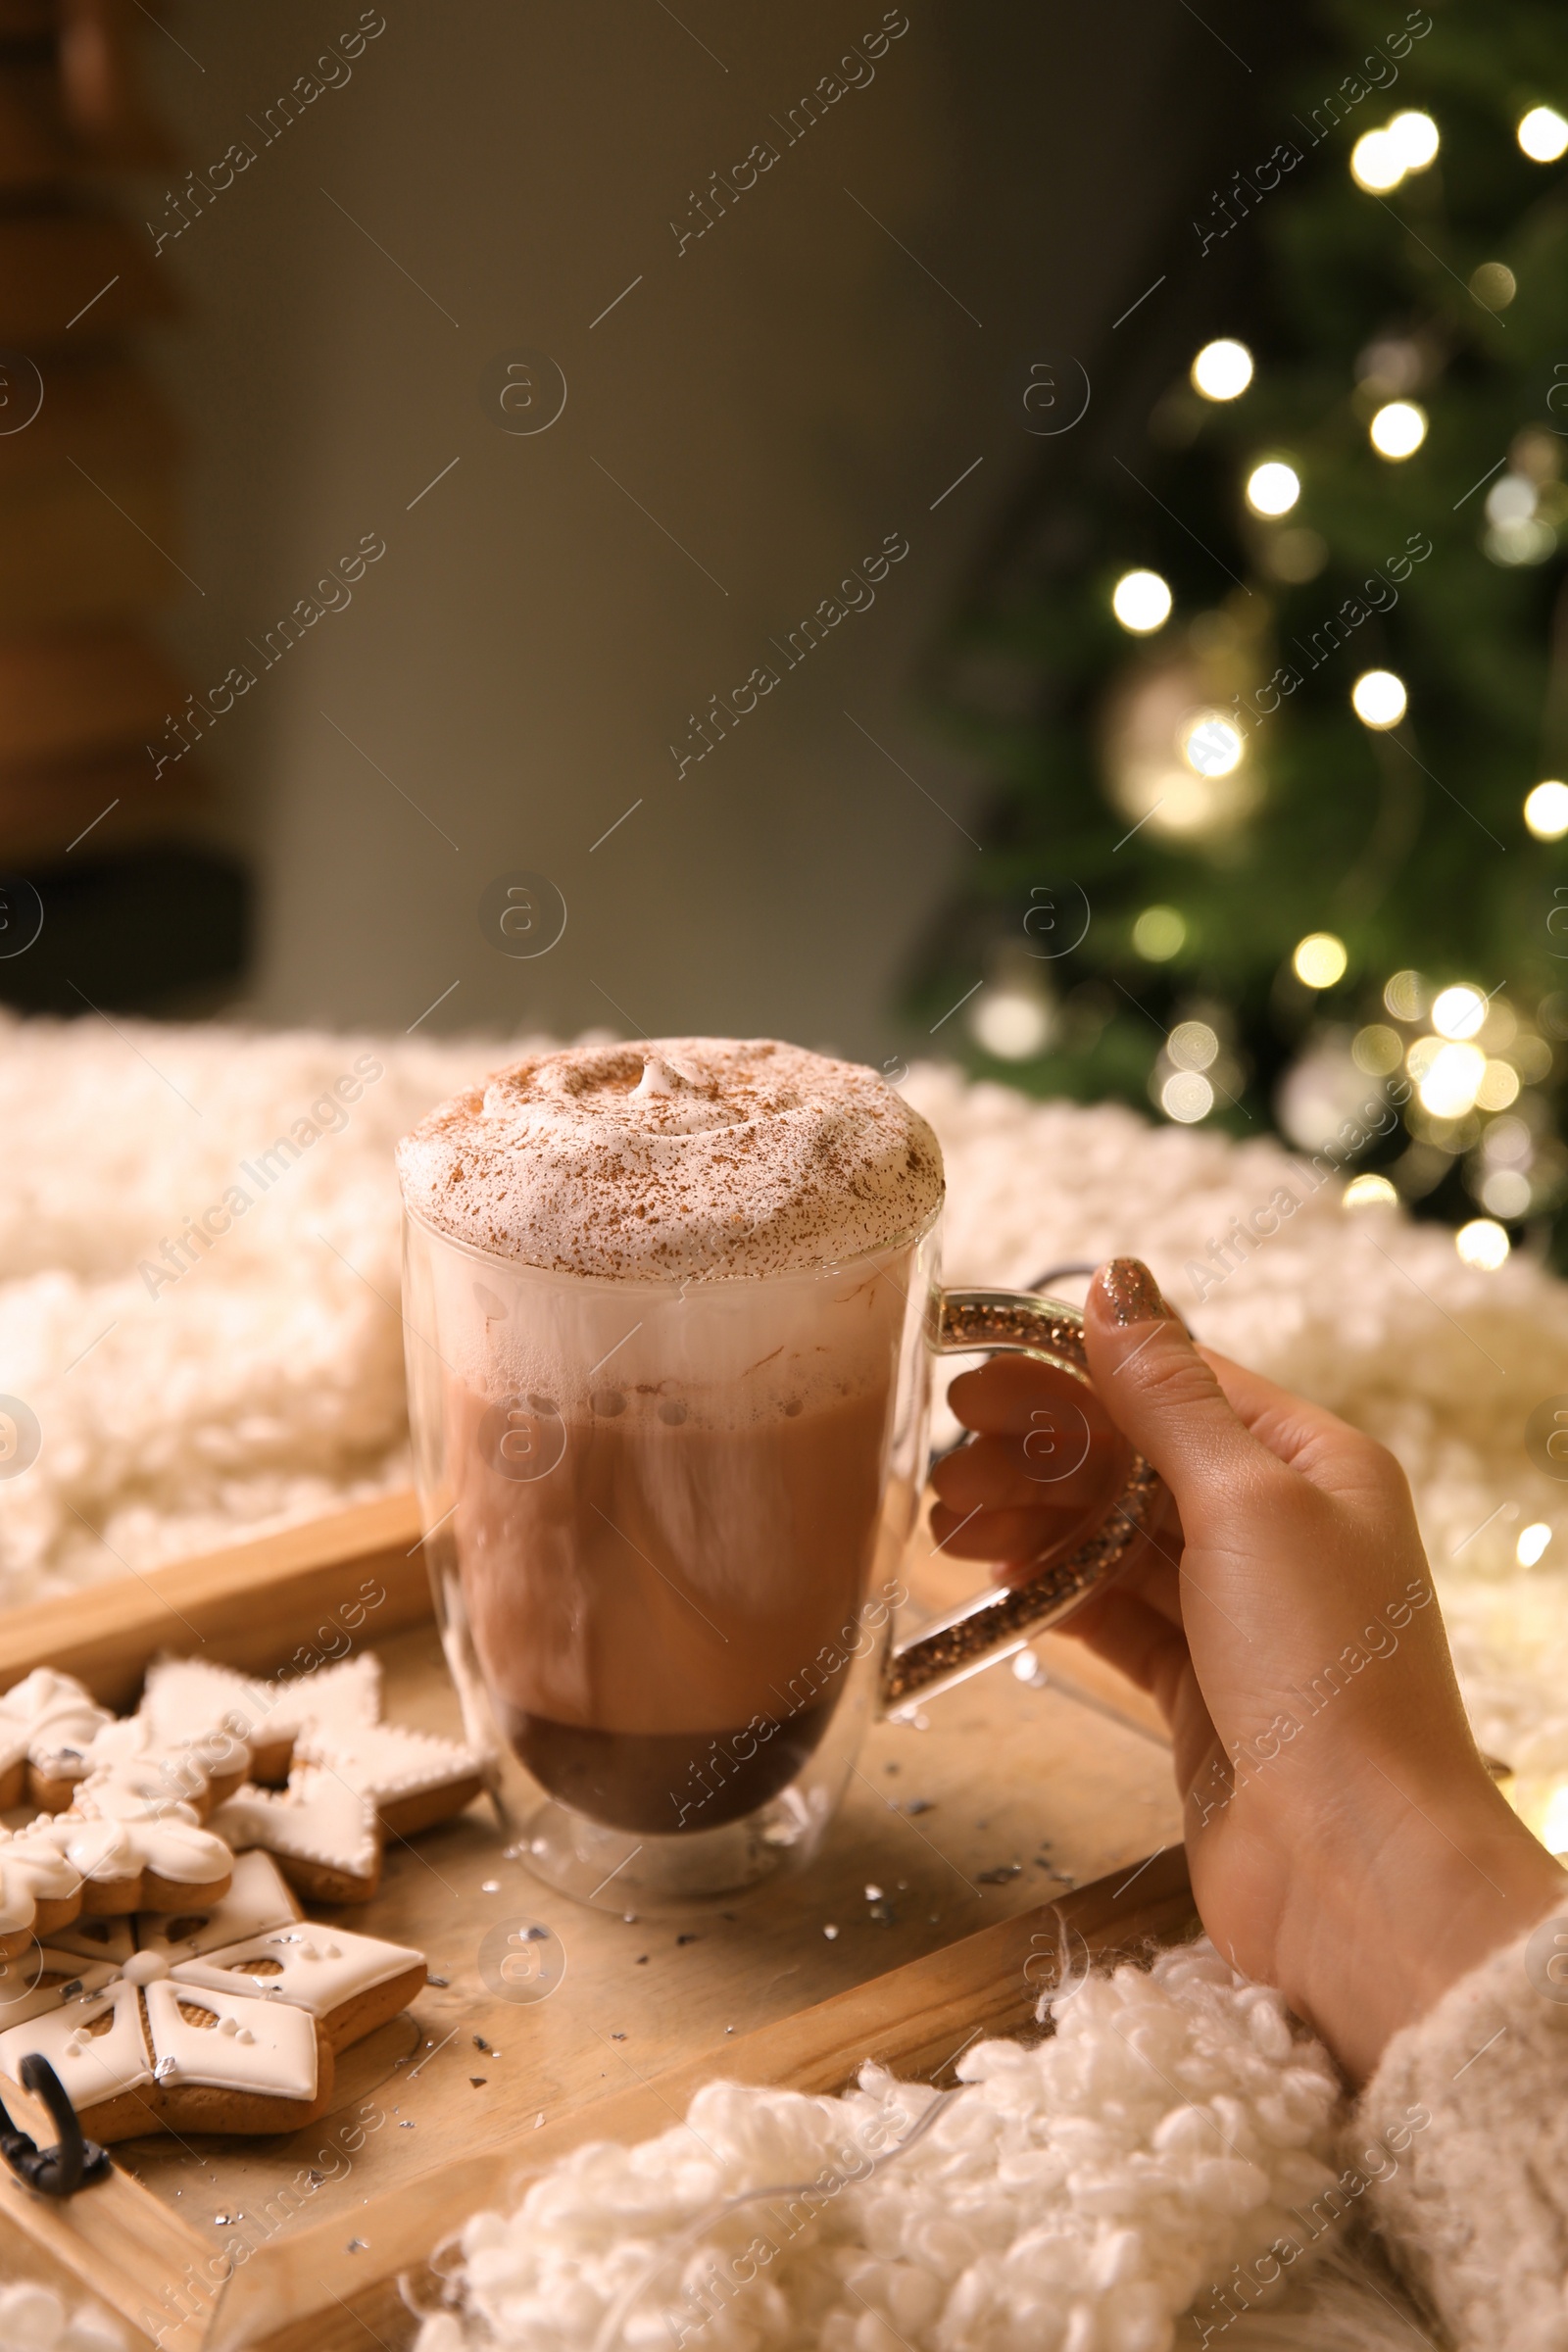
(1016, 1323)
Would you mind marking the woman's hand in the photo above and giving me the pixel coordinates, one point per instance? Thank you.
(1346, 1841)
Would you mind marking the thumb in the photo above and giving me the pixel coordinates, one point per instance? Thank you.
(1163, 1397)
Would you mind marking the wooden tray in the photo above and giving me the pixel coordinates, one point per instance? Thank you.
(909, 1937)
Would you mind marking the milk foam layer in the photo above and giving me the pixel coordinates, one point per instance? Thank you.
(700, 1158)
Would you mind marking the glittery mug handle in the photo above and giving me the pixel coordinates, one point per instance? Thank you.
(1015, 1323)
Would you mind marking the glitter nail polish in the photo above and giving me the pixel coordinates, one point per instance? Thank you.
(1133, 1294)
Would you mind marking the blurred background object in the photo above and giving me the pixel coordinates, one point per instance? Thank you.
(1271, 671)
(90, 541)
(770, 367)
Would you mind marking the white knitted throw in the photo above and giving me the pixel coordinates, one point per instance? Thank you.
(1075, 2196)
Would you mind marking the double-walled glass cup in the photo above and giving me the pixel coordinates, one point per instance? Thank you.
(666, 1525)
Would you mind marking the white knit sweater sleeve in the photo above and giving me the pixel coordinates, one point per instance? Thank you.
(1465, 2126)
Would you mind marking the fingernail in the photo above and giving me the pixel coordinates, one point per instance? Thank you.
(1132, 1293)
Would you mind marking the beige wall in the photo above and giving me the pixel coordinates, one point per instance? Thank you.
(779, 396)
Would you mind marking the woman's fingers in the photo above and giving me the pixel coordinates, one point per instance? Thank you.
(1168, 1401)
(1015, 1536)
(1014, 1396)
(1138, 1641)
(1024, 1474)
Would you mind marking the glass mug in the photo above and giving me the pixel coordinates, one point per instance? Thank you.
(665, 1524)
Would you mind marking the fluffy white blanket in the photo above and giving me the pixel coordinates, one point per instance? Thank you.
(180, 1405)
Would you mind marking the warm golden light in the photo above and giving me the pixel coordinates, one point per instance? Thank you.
(1159, 934)
(1451, 1080)
(1376, 163)
(1459, 1011)
(1533, 1542)
(1222, 370)
(1186, 1096)
(1378, 1050)
(1415, 138)
(1378, 699)
(1542, 134)
(1546, 810)
(1141, 602)
(1368, 1191)
(1210, 744)
(1010, 1023)
(1320, 959)
(1483, 1244)
(1192, 1044)
(1399, 429)
(1273, 488)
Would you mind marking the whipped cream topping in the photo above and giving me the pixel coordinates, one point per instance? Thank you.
(695, 1157)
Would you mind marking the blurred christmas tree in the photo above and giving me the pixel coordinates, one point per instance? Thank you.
(1275, 828)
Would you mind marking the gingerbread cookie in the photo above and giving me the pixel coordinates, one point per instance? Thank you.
(414, 1780)
(186, 1699)
(198, 1771)
(240, 2036)
(39, 1890)
(58, 1719)
(100, 1937)
(128, 1857)
(352, 1984)
(42, 1977)
(144, 2054)
(322, 1831)
(257, 1899)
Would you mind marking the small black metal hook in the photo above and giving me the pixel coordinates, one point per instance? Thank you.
(58, 2172)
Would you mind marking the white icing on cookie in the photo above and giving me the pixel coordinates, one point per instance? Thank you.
(319, 1968)
(318, 1818)
(162, 1770)
(59, 1717)
(40, 1979)
(384, 1760)
(93, 2067)
(110, 1836)
(257, 1900)
(253, 2046)
(185, 1699)
(34, 1870)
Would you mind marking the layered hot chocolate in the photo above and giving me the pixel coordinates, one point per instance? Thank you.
(668, 1468)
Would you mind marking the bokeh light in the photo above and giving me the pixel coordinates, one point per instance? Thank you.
(1542, 134)
(1533, 1542)
(1376, 163)
(1378, 699)
(1222, 370)
(1368, 1191)
(1451, 1080)
(1378, 1050)
(1399, 429)
(1187, 1096)
(1546, 809)
(1141, 602)
(1192, 1044)
(1484, 1244)
(1211, 744)
(1319, 959)
(1459, 1011)
(1273, 487)
(1159, 934)
(1415, 138)
(1010, 1022)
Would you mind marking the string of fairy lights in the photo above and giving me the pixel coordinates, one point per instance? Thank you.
(1471, 1056)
